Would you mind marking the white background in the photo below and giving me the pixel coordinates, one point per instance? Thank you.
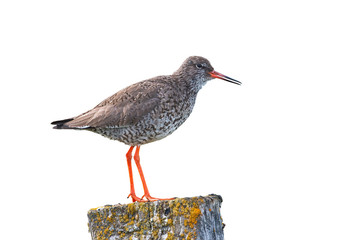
(282, 149)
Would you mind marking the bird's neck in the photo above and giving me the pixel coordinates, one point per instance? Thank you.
(191, 85)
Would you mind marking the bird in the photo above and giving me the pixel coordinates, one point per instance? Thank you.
(147, 111)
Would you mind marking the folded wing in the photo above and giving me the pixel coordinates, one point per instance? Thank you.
(124, 108)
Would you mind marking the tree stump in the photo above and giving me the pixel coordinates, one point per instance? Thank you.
(181, 218)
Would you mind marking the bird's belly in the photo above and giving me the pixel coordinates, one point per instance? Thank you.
(154, 127)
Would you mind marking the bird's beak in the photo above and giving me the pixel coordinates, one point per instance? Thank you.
(215, 74)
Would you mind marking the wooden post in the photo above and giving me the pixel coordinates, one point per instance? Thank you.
(181, 218)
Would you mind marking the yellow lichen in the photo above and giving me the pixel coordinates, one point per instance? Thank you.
(123, 218)
(170, 236)
(194, 214)
(155, 234)
(191, 236)
(122, 234)
(170, 221)
(110, 218)
(132, 208)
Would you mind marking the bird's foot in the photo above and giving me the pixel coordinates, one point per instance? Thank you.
(152, 199)
(146, 198)
(135, 198)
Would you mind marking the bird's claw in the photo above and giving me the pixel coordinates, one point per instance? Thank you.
(135, 198)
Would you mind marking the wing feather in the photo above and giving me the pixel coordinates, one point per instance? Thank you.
(124, 108)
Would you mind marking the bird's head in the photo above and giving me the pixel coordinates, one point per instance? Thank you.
(199, 71)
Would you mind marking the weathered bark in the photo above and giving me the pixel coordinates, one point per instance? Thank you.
(181, 218)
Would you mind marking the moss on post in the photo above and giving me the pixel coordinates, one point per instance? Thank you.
(181, 218)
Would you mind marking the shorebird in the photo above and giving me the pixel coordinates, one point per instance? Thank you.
(147, 111)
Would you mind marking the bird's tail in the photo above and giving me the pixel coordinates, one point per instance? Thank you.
(61, 124)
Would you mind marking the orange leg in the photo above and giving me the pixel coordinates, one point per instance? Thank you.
(146, 190)
(132, 188)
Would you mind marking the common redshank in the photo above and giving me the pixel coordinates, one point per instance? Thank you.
(147, 111)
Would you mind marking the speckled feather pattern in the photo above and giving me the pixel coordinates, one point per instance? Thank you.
(146, 111)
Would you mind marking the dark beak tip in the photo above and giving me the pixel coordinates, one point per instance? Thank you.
(228, 79)
(215, 74)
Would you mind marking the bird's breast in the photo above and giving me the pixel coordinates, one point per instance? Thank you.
(171, 112)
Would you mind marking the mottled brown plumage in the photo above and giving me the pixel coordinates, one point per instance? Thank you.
(149, 110)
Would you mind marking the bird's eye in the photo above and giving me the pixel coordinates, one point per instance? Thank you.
(199, 66)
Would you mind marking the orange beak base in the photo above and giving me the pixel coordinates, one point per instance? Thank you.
(215, 74)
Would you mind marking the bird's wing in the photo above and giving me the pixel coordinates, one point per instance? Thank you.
(124, 108)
